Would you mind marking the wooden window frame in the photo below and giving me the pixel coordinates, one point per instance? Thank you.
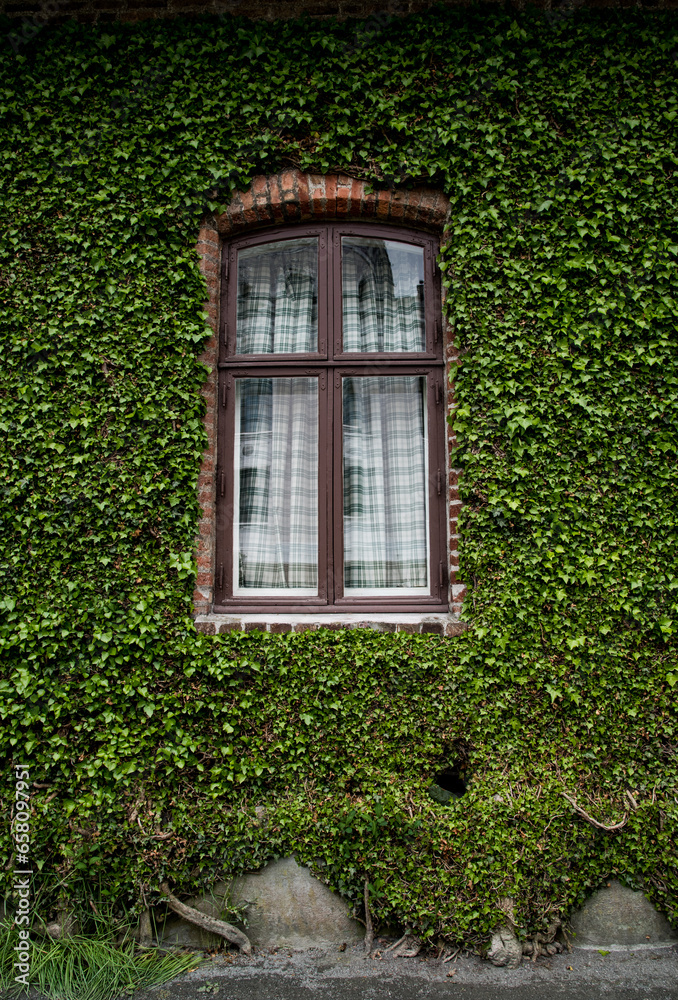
(329, 364)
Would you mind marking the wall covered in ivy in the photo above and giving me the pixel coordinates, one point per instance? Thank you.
(554, 136)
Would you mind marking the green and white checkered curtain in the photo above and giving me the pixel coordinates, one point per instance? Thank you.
(277, 469)
(385, 495)
(382, 295)
(278, 298)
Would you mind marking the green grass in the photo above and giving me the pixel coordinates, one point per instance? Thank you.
(88, 968)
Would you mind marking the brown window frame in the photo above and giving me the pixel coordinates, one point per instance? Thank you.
(329, 364)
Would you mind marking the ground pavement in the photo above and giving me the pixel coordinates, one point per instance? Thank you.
(348, 975)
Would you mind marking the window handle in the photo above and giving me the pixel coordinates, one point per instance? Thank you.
(440, 483)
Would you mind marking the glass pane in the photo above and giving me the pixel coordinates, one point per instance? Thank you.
(276, 477)
(385, 476)
(278, 298)
(382, 295)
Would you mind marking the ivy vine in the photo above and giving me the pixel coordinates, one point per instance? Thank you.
(554, 136)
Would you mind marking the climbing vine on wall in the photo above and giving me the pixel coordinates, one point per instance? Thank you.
(554, 136)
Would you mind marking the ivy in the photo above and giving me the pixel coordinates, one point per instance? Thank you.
(554, 136)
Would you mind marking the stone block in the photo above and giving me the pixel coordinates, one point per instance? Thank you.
(288, 907)
(617, 917)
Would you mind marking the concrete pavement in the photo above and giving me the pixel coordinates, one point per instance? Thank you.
(335, 975)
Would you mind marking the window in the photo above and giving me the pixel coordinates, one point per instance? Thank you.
(331, 470)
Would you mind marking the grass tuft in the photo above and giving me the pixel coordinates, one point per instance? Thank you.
(88, 968)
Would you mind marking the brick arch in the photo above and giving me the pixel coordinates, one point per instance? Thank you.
(283, 199)
(291, 196)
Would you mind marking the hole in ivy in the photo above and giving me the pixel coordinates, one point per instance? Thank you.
(448, 784)
(451, 781)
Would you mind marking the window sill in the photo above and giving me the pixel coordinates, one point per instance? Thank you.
(446, 624)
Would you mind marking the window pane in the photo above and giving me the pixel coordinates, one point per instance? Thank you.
(382, 295)
(278, 298)
(276, 477)
(385, 475)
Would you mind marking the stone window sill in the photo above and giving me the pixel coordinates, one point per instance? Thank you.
(436, 624)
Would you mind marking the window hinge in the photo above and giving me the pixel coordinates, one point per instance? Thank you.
(223, 393)
(436, 331)
(222, 486)
(441, 574)
(440, 483)
(221, 576)
(439, 393)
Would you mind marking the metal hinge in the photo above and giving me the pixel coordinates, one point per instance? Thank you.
(220, 577)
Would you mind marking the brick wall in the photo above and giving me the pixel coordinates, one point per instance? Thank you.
(286, 198)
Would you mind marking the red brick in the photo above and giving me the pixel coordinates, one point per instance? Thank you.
(330, 197)
(357, 191)
(397, 205)
(209, 235)
(343, 195)
(279, 627)
(249, 211)
(439, 211)
(369, 203)
(435, 628)
(305, 209)
(383, 204)
(288, 182)
(236, 212)
(207, 628)
(411, 212)
(455, 628)
(276, 200)
(317, 194)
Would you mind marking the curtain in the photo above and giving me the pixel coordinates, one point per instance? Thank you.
(382, 295)
(276, 452)
(277, 308)
(384, 487)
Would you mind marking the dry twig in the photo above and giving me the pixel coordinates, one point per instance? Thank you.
(206, 922)
(369, 930)
(594, 822)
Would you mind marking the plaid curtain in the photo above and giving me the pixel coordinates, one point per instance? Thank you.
(277, 469)
(382, 295)
(278, 298)
(385, 496)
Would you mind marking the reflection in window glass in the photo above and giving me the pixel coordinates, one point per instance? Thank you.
(276, 477)
(382, 295)
(277, 310)
(384, 484)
